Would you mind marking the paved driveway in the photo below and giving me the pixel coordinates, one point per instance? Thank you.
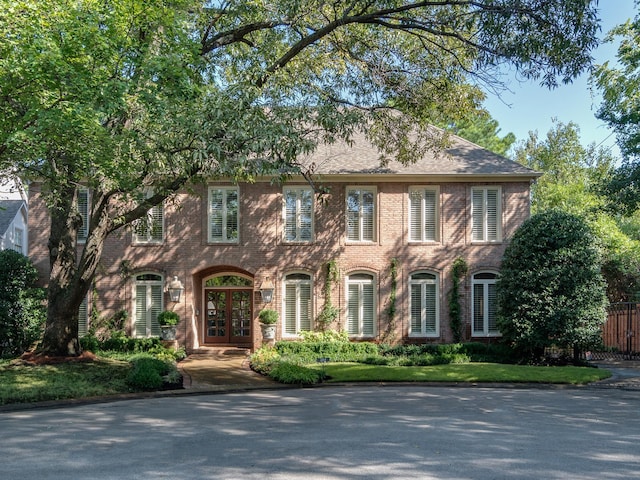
(334, 433)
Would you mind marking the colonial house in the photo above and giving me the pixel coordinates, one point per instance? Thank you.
(378, 246)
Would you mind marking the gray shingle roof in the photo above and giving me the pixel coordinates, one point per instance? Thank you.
(8, 211)
(462, 158)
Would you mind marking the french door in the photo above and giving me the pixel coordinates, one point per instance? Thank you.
(228, 315)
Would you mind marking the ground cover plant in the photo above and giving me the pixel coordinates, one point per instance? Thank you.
(331, 357)
(115, 366)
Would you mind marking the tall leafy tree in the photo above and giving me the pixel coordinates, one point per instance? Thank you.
(619, 83)
(127, 95)
(480, 128)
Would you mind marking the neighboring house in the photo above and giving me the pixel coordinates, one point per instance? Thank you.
(226, 242)
(13, 226)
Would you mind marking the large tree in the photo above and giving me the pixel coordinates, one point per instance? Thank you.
(127, 95)
(619, 84)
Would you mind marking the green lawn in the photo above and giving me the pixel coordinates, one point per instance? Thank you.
(24, 383)
(468, 372)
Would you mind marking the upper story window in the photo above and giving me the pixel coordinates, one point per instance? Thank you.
(361, 305)
(223, 214)
(486, 214)
(150, 228)
(424, 305)
(483, 305)
(361, 214)
(297, 303)
(83, 211)
(18, 240)
(298, 214)
(423, 214)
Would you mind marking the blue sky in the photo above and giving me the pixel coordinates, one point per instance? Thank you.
(530, 107)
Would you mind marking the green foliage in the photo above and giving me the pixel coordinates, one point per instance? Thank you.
(168, 318)
(390, 332)
(268, 316)
(550, 289)
(294, 373)
(458, 270)
(326, 336)
(120, 343)
(619, 83)
(479, 128)
(263, 359)
(329, 312)
(22, 314)
(129, 93)
(151, 373)
(335, 351)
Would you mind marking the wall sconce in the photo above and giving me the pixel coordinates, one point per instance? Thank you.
(175, 289)
(266, 290)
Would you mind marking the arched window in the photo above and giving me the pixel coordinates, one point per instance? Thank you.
(148, 302)
(483, 305)
(361, 305)
(297, 303)
(424, 305)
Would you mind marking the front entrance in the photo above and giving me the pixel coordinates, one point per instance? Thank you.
(229, 315)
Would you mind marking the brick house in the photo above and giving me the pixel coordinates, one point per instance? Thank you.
(226, 242)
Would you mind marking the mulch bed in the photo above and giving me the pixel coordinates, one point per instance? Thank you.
(34, 358)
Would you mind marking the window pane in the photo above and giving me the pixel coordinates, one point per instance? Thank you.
(305, 307)
(416, 309)
(430, 308)
(215, 215)
(156, 308)
(353, 309)
(232, 215)
(492, 215)
(290, 309)
(478, 308)
(83, 210)
(353, 215)
(430, 215)
(491, 309)
(367, 216)
(290, 209)
(367, 310)
(141, 311)
(306, 215)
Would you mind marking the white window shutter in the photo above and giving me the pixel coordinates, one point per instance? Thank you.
(492, 215)
(368, 216)
(215, 215)
(141, 311)
(415, 215)
(430, 216)
(290, 309)
(416, 309)
(290, 215)
(83, 210)
(156, 308)
(478, 308)
(353, 309)
(306, 215)
(83, 318)
(353, 215)
(477, 214)
(232, 215)
(368, 313)
(430, 308)
(156, 233)
(305, 306)
(491, 309)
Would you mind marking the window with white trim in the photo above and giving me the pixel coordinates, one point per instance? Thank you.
(424, 305)
(150, 228)
(361, 214)
(298, 214)
(486, 214)
(483, 305)
(361, 305)
(423, 214)
(148, 302)
(18, 240)
(223, 215)
(297, 303)
(83, 211)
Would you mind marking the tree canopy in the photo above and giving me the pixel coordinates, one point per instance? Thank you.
(126, 95)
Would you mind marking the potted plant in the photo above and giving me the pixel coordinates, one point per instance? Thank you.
(268, 319)
(168, 321)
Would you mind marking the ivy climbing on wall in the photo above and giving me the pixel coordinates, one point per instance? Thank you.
(390, 333)
(329, 312)
(458, 270)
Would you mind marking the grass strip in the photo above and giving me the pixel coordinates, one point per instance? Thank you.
(33, 383)
(469, 372)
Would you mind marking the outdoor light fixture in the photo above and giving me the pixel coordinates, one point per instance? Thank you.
(175, 289)
(266, 290)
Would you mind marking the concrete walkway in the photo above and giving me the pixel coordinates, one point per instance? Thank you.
(222, 369)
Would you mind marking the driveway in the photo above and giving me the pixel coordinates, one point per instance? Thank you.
(334, 433)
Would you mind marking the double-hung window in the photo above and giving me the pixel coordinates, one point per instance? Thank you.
(361, 305)
(148, 300)
(298, 214)
(423, 214)
(150, 228)
(223, 214)
(18, 240)
(483, 305)
(361, 214)
(424, 305)
(486, 214)
(297, 303)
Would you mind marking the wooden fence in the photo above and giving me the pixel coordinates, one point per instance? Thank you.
(621, 332)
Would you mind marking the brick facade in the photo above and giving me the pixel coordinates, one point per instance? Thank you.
(261, 252)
